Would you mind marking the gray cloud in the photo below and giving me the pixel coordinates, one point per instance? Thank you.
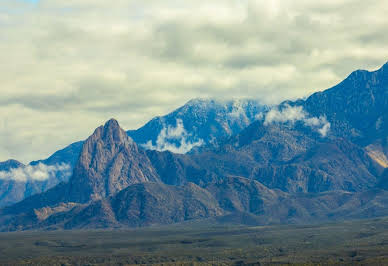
(70, 65)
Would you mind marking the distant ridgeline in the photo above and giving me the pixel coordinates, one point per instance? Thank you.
(313, 160)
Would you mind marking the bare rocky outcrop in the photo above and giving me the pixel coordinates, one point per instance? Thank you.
(109, 162)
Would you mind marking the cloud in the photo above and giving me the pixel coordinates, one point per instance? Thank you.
(71, 65)
(325, 129)
(174, 139)
(39, 172)
(239, 110)
(288, 114)
(292, 114)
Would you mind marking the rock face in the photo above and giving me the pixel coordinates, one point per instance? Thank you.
(109, 162)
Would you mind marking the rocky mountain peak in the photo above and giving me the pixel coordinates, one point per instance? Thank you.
(111, 133)
(109, 162)
(112, 123)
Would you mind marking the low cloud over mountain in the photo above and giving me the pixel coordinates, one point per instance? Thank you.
(292, 114)
(174, 139)
(39, 172)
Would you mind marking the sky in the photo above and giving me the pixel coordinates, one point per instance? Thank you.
(68, 66)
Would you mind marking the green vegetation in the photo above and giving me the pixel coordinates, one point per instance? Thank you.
(357, 242)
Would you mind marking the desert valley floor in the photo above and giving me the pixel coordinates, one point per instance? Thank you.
(362, 242)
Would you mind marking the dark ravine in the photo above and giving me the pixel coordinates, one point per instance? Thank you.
(273, 173)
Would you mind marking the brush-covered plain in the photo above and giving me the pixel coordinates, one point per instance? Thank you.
(363, 242)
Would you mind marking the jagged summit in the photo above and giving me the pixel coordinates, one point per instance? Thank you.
(111, 132)
(109, 162)
(112, 123)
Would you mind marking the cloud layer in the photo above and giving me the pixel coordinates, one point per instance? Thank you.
(292, 114)
(70, 65)
(174, 139)
(39, 172)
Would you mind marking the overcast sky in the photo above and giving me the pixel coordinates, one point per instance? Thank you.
(69, 65)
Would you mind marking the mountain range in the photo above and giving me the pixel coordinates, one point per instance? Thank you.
(305, 161)
(198, 122)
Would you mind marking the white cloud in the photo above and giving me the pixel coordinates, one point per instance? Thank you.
(71, 65)
(174, 139)
(39, 172)
(325, 129)
(238, 111)
(289, 114)
(292, 114)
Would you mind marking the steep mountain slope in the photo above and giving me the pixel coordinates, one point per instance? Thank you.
(357, 108)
